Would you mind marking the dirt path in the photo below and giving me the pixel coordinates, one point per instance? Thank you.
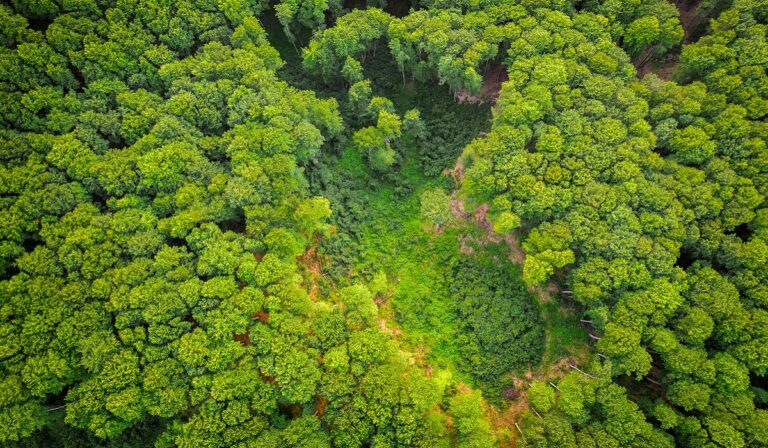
(688, 16)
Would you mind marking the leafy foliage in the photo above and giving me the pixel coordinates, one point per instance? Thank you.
(169, 204)
(583, 411)
(617, 182)
(499, 329)
(155, 207)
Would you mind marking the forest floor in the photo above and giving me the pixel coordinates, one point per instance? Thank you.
(417, 310)
(688, 17)
(379, 229)
(389, 236)
(665, 67)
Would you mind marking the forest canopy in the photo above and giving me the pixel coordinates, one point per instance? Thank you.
(326, 223)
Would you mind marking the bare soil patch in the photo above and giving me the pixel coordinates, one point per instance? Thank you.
(489, 91)
(688, 16)
(313, 267)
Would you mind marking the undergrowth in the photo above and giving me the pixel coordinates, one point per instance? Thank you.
(468, 314)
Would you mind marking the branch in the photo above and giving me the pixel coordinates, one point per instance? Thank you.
(520, 431)
(653, 381)
(581, 371)
(57, 407)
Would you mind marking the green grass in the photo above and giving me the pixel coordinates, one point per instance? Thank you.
(565, 333)
(386, 234)
(378, 224)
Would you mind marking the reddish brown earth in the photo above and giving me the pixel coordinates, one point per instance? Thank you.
(320, 405)
(490, 89)
(313, 266)
(261, 315)
(244, 338)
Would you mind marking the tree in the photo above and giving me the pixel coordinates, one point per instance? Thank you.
(311, 213)
(413, 125)
(641, 33)
(689, 395)
(308, 13)
(165, 242)
(352, 35)
(352, 70)
(692, 145)
(377, 141)
(472, 430)
(435, 207)
(358, 306)
(541, 396)
(156, 181)
(360, 95)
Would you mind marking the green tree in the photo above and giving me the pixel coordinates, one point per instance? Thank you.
(435, 207)
(472, 430)
(641, 33)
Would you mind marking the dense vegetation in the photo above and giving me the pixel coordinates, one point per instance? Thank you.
(230, 224)
(154, 205)
(645, 199)
(498, 329)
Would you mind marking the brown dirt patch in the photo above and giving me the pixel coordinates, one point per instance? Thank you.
(457, 172)
(689, 19)
(489, 91)
(516, 252)
(320, 405)
(664, 69)
(383, 325)
(457, 208)
(244, 338)
(261, 315)
(481, 218)
(313, 267)
(464, 245)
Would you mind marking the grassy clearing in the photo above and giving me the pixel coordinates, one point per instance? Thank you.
(435, 289)
(439, 298)
(566, 336)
